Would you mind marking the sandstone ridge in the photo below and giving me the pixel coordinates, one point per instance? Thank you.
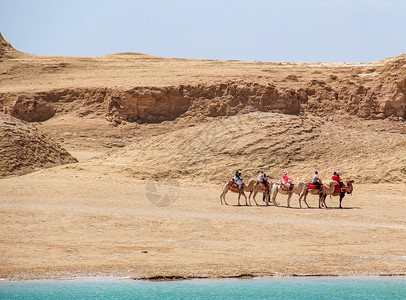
(158, 104)
(146, 89)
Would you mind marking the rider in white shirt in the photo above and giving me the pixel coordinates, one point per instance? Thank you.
(316, 180)
(238, 179)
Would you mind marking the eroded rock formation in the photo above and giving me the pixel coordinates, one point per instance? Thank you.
(24, 149)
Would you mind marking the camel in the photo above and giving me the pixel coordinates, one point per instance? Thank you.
(307, 191)
(330, 189)
(246, 188)
(297, 189)
(261, 189)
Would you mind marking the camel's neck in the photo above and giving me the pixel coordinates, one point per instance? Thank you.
(332, 186)
(349, 187)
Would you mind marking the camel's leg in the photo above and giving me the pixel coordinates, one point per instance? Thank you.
(253, 193)
(239, 195)
(320, 199)
(289, 196)
(274, 193)
(223, 196)
(341, 198)
(300, 199)
(324, 201)
(246, 203)
(304, 200)
(253, 196)
(267, 196)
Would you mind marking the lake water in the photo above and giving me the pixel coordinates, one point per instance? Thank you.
(256, 288)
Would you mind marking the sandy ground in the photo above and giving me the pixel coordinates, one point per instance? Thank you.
(61, 223)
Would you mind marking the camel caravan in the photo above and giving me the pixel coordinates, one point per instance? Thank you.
(269, 190)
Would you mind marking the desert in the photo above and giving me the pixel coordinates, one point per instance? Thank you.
(114, 165)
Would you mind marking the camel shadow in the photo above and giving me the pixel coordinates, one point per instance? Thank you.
(331, 208)
(342, 208)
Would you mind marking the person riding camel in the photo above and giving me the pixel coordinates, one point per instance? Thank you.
(316, 181)
(238, 179)
(336, 177)
(263, 179)
(286, 180)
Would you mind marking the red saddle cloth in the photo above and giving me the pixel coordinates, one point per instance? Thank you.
(284, 187)
(337, 188)
(312, 186)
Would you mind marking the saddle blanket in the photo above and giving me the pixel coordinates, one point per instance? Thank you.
(233, 186)
(232, 183)
(311, 186)
(284, 187)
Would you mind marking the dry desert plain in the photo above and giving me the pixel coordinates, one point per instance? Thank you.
(114, 166)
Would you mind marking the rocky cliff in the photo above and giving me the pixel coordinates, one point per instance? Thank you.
(211, 88)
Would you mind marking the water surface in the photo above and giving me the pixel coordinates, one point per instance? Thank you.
(256, 288)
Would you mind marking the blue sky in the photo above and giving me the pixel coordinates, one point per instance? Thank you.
(254, 30)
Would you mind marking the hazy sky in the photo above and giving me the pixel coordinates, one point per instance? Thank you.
(263, 30)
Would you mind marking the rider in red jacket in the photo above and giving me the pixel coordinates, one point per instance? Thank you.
(336, 177)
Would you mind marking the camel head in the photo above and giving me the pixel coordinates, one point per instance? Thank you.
(349, 187)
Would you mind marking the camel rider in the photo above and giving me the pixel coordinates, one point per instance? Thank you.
(316, 181)
(238, 179)
(336, 177)
(263, 179)
(286, 180)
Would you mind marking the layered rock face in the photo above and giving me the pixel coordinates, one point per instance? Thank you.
(373, 91)
(371, 96)
(153, 105)
(24, 149)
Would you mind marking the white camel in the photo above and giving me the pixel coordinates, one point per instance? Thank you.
(331, 190)
(246, 188)
(297, 189)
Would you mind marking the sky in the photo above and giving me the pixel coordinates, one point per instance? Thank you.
(253, 30)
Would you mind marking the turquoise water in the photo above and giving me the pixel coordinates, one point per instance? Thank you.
(257, 288)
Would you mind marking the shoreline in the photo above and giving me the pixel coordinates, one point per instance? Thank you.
(158, 278)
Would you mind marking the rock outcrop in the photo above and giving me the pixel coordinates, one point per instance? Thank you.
(24, 149)
(5, 47)
(152, 105)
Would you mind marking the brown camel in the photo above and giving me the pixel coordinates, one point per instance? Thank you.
(311, 191)
(332, 189)
(246, 188)
(260, 188)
